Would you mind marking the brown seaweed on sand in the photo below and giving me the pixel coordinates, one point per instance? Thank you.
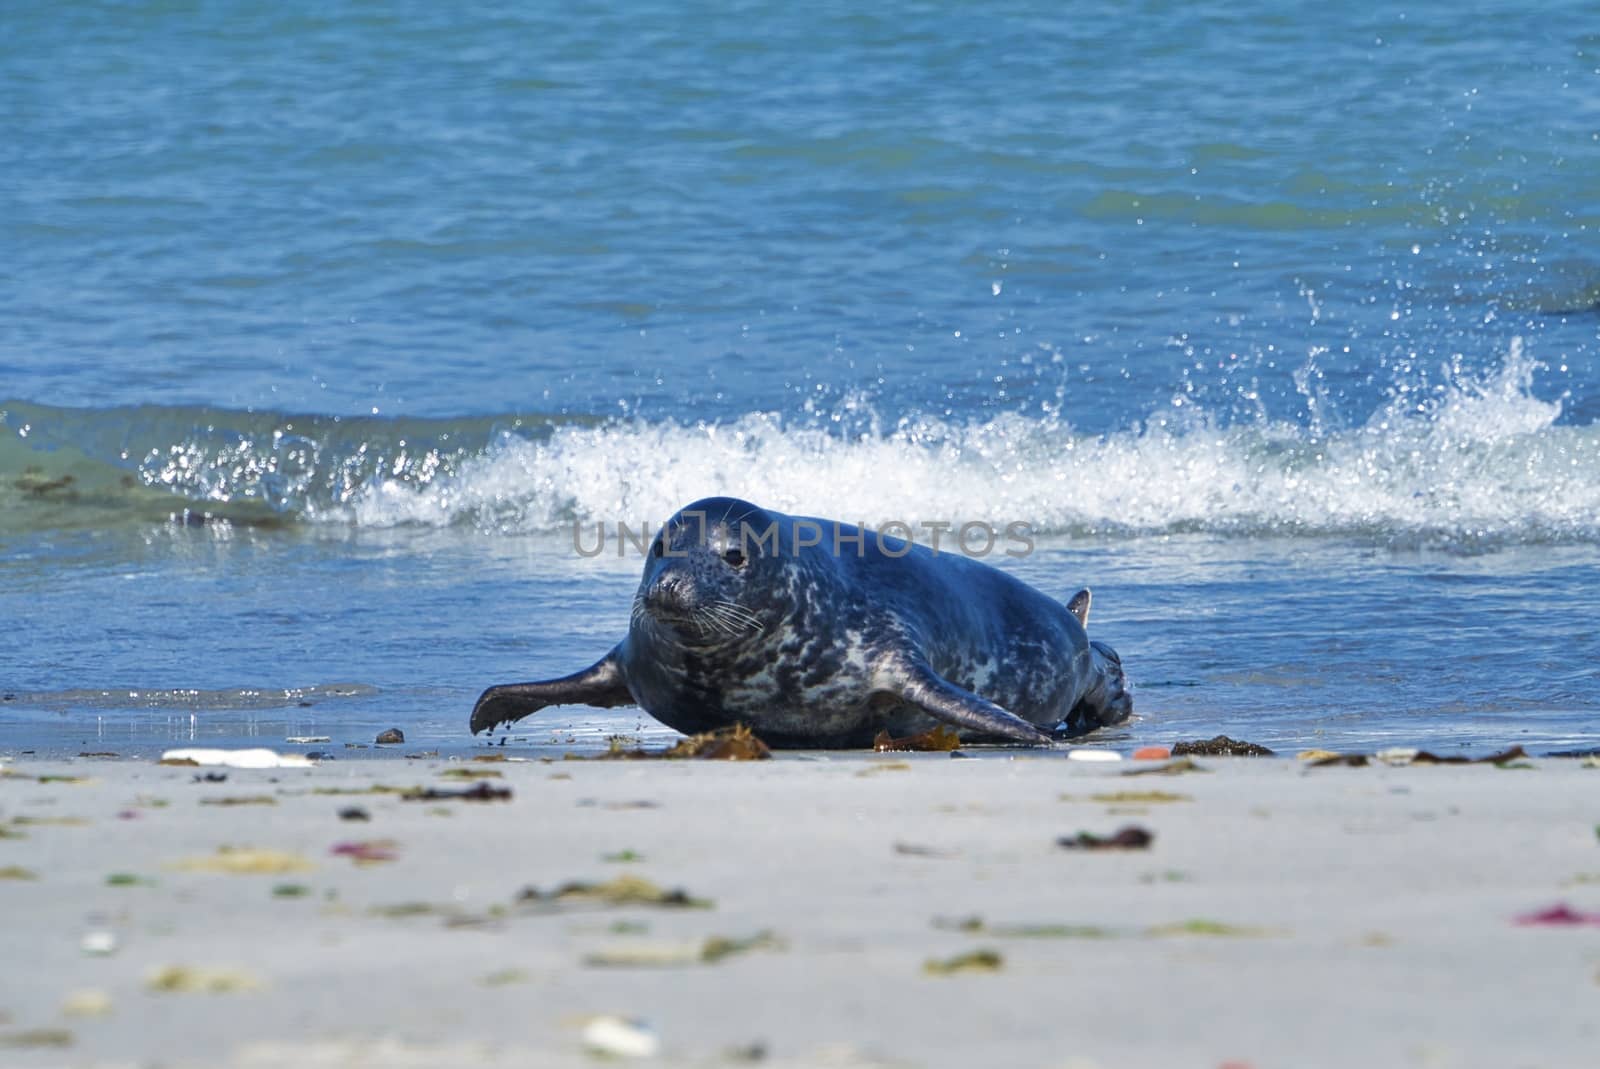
(1219, 746)
(736, 743)
(982, 960)
(1131, 837)
(625, 890)
(478, 792)
(938, 739)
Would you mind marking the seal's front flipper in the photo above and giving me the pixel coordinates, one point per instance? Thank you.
(917, 684)
(600, 684)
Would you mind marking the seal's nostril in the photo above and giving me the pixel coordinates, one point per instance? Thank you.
(668, 592)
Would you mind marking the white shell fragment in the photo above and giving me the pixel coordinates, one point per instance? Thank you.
(1085, 753)
(99, 943)
(620, 1037)
(255, 758)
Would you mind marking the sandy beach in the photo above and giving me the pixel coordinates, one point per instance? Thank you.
(829, 910)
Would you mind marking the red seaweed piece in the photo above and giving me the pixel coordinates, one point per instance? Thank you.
(1559, 915)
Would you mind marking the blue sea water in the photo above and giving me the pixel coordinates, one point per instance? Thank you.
(321, 326)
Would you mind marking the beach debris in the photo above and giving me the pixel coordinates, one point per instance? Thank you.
(919, 850)
(212, 777)
(422, 755)
(1094, 754)
(354, 812)
(246, 861)
(471, 773)
(620, 1037)
(307, 740)
(1131, 837)
(623, 857)
(1205, 927)
(1401, 756)
(191, 980)
(875, 768)
(1560, 915)
(98, 943)
(291, 890)
(719, 947)
(736, 743)
(1592, 761)
(937, 739)
(633, 803)
(26, 820)
(975, 925)
(244, 799)
(390, 737)
(256, 757)
(1219, 746)
(402, 910)
(37, 1037)
(1324, 758)
(74, 780)
(1129, 798)
(17, 872)
(1503, 757)
(86, 1002)
(709, 951)
(128, 879)
(505, 978)
(98, 753)
(375, 788)
(1152, 753)
(367, 851)
(982, 960)
(625, 890)
(1176, 767)
(478, 792)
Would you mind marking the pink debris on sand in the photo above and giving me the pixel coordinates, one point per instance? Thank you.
(1559, 916)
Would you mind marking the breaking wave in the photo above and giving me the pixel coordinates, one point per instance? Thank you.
(1480, 461)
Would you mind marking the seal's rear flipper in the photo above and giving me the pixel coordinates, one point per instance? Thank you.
(917, 684)
(1078, 605)
(600, 684)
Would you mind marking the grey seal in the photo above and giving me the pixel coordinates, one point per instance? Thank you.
(821, 634)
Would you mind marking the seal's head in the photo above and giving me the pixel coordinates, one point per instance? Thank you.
(709, 574)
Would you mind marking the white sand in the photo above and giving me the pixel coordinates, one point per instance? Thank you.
(1377, 908)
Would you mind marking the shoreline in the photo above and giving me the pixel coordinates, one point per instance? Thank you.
(1280, 914)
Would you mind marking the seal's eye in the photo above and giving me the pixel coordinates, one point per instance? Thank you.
(657, 549)
(734, 557)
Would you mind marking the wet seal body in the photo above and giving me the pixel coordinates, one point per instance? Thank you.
(821, 634)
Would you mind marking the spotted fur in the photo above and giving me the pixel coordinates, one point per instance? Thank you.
(736, 620)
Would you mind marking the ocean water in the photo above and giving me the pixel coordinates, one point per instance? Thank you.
(322, 330)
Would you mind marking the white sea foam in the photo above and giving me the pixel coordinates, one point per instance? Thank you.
(1480, 460)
